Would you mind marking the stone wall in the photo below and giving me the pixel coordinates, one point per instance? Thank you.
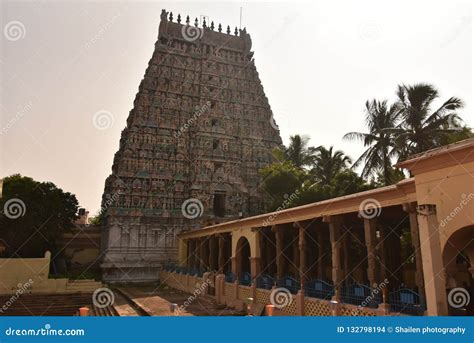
(31, 275)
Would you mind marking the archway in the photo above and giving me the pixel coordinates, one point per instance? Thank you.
(242, 255)
(458, 260)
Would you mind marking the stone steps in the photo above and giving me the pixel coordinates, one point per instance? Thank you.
(45, 304)
(83, 285)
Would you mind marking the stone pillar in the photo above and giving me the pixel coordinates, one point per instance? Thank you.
(221, 257)
(433, 271)
(212, 254)
(197, 254)
(219, 284)
(335, 228)
(370, 242)
(183, 252)
(382, 253)
(321, 254)
(202, 254)
(192, 255)
(267, 267)
(300, 308)
(256, 255)
(189, 260)
(345, 248)
(410, 208)
(254, 266)
(235, 266)
(296, 257)
(280, 258)
(302, 249)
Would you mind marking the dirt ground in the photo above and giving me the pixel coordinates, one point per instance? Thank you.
(156, 301)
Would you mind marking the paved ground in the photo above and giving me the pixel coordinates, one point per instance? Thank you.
(156, 301)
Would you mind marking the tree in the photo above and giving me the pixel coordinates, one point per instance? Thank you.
(343, 183)
(96, 220)
(289, 186)
(34, 216)
(460, 134)
(381, 119)
(298, 151)
(347, 182)
(280, 180)
(328, 163)
(421, 129)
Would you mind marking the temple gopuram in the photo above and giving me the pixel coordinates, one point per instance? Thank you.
(200, 129)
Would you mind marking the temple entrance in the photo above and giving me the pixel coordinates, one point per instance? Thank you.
(219, 204)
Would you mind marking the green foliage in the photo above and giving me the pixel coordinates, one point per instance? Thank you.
(281, 179)
(48, 212)
(289, 186)
(457, 135)
(328, 163)
(407, 127)
(391, 174)
(347, 182)
(299, 153)
(420, 128)
(381, 120)
(344, 182)
(96, 220)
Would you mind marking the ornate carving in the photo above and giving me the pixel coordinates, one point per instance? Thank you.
(189, 136)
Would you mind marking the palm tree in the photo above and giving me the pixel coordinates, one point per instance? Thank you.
(420, 128)
(328, 163)
(381, 119)
(298, 151)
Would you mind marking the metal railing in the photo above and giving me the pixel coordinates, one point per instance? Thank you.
(407, 301)
(360, 295)
(319, 289)
(265, 281)
(289, 283)
(245, 279)
(230, 277)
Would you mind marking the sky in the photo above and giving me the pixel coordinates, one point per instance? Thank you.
(64, 62)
